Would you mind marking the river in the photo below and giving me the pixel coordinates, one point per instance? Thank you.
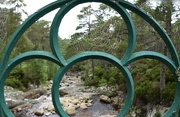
(73, 88)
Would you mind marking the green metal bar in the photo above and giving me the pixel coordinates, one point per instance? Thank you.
(176, 103)
(54, 32)
(153, 55)
(34, 54)
(2, 112)
(94, 55)
(55, 93)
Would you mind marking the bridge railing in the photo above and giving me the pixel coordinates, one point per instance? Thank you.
(130, 55)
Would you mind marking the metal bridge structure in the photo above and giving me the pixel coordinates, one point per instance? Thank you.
(130, 56)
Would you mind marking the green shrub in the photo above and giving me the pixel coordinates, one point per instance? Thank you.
(102, 82)
(15, 83)
(99, 71)
(168, 93)
(91, 82)
(153, 93)
(141, 89)
(147, 90)
(111, 81)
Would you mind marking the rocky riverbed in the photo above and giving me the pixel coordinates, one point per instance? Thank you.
(76, 100)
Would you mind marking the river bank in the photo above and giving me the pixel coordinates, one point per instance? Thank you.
(77, 101)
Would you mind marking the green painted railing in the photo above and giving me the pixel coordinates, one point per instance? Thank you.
(130, 55)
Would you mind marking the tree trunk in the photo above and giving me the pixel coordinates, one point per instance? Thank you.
(163, 75)
(168, 30)
(92, 66)
(105, 64)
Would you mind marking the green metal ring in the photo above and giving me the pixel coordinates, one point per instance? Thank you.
(24, 26)
(144, 15)
(12, 64)
(93, 55)
(170, 64)
(121, 10)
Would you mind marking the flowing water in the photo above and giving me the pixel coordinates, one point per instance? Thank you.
(98, 109)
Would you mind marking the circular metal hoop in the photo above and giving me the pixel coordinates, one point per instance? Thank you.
(93, 55)
(66, 5)
(120, 9)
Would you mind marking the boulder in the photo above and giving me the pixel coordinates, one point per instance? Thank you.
(70, 110)
(115, 102)
(39, 112)
(75, 101)
(105, 99)
(65, 104)
(50, 108)
(90, 101)
(19, 109)
(83, 106)
(62, 92)
(89, 104)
